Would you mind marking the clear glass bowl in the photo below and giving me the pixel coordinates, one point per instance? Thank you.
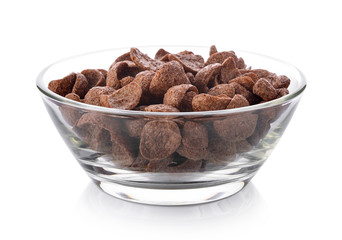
(107, 144)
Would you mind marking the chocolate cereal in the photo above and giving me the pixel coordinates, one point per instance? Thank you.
(157, 137)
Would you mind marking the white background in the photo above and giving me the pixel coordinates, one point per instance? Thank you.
(46, 195)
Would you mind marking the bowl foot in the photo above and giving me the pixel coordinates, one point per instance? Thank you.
(171, 197)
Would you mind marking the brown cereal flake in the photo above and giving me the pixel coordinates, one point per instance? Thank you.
(93, 95)
(194, 141)
(269, 76)
(190, 77)
(63, 86)
(190, 62)
(126, 80)
(186, 103)
(265, 90)
(160, 108)
(220, 152)
(144, 80)
(192, 153)
(94, 77)
(143, 61)
(282, 92)
(240, 64)
(73, 96)
(92, 133)
(206, 76)
(174, 95)
(104, 73)
(194, 135)
(124, 149)
(169, 75)
(134, 127)
(237, 102)
(229, 70)
(251, 98)
(81, 85)
(212, 50)
(71, 114)
(226, 89)
(126, 98)
(206, 102)
(282, 82)
(236, 127)
(261, 73)
(220, 57)
(160, 54)
(119, 71)
(245, 81)
(159, 139)
(252, 75)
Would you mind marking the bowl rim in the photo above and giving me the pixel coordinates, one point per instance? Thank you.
(282, 100)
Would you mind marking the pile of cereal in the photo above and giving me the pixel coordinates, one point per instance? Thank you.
(181, 82)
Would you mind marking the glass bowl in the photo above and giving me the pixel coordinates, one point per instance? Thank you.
(107, 142)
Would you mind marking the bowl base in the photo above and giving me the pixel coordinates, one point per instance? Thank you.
(171, 197)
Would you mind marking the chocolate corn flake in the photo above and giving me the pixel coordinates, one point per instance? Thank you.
(195, 135)
(161, 108)
(229, 70)
(160, 54)
(212, 50)
(190, 62)
(63, 86)
(220, 152)
(236, 127)
(192, 153)
(94, 77)
(223, 89)
(265, 90)
(124, 149)
(126, 98)
(282, 82)
(159, 139)
(169, 75)
(206, 102)
(81, 85)
(93, 95)
(70, 114)
(73, 96)
(126, 80)
(175, 95)
(220, 57)
(237, 102)
(119, 71)
(251, 97)
(143, 61)
(206, 76)
(245, 81)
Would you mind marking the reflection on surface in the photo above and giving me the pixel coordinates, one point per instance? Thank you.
(95, 202)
